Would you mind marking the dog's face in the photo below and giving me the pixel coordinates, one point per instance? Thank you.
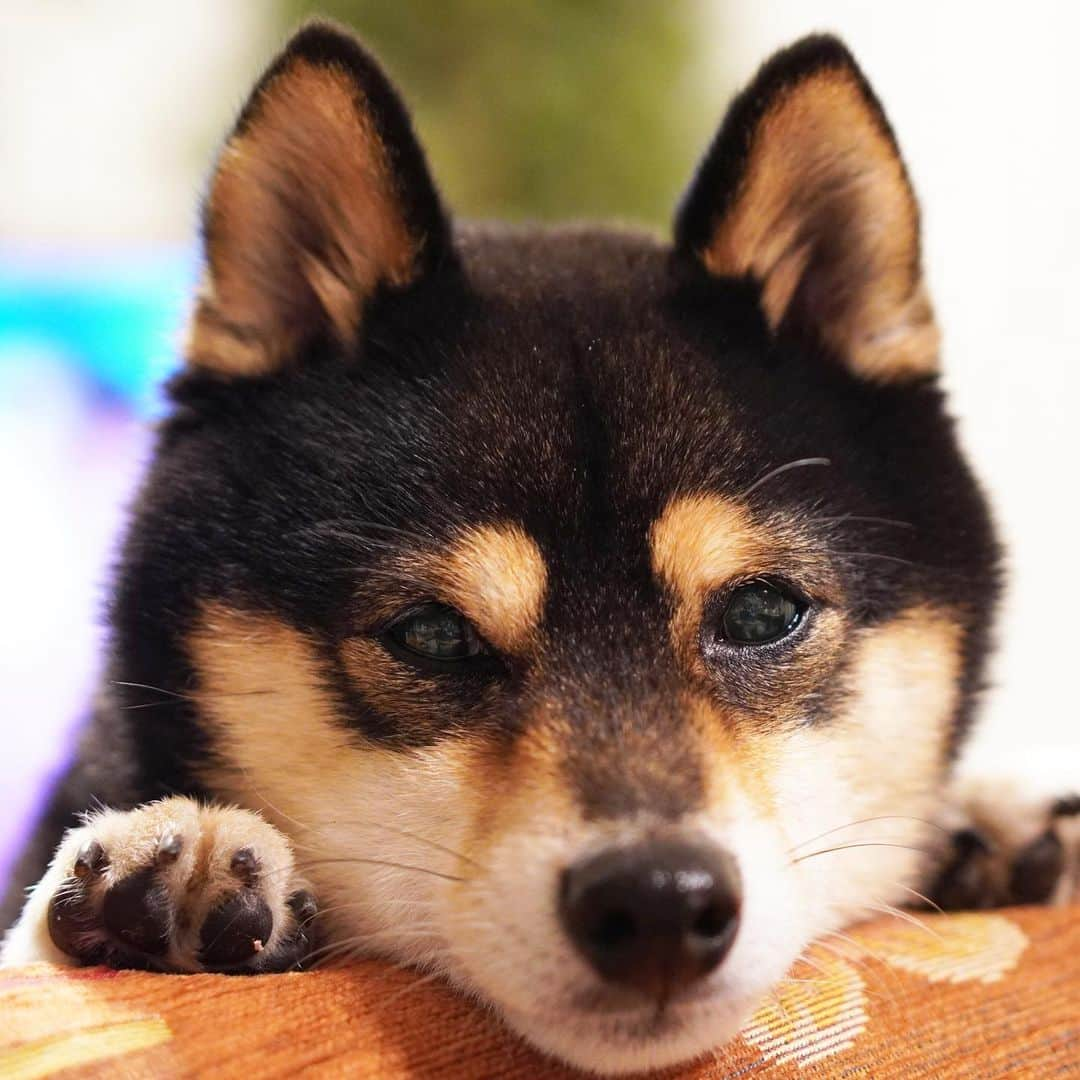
(565, 595)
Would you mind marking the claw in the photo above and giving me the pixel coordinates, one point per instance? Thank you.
(169, 848)
(90, 860)
(245, 865)
(303, 906)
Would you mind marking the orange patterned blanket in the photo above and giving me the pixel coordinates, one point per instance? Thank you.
(964, 996)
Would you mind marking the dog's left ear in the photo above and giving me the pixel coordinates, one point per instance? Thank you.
(804, 191)
(320, 201)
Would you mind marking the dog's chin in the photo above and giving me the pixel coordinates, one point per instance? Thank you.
(610, 1038)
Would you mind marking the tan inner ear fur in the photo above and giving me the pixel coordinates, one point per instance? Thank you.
(304, 224)
(825, 200)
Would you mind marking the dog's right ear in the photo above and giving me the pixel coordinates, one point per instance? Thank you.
(804, 192)
(320, 199)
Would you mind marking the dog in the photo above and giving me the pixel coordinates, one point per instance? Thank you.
(590, 619)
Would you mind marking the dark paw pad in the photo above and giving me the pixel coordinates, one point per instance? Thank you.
(965, 880)
(1037, 869)
(137, 912)
(73, 922)
(236, 930)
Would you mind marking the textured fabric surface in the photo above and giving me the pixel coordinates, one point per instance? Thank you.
(959, 996)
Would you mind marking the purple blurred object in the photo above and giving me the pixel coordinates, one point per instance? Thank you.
(84, 342)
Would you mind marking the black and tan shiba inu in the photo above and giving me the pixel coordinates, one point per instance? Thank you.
(588, 618)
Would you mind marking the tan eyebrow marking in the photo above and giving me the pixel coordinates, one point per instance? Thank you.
(698, 543)
(496, 575)
(701, 541)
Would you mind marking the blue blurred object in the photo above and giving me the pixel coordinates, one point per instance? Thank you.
(86, 338)
(115, 318)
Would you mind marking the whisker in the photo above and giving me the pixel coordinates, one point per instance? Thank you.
(365, 824)
(859, 844)
(840, 518)
(147, 686)
(897, 913)
(798, 464)
(868, 973)
(412, 988)
(867, 821)
(358, 945)
(357, 859)
(779, 1003)
(402, 832)
(858, 946)
(875, 555)
(263, 799)
(926, 899)
(176, 696)
(367, 905)
(349, 530)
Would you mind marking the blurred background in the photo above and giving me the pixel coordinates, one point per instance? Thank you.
(110, 111)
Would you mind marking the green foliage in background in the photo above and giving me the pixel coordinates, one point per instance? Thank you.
(544, 109)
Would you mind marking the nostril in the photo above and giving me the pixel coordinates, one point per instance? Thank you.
(713, 922)
(613, 929)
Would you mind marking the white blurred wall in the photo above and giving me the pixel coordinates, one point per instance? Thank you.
(108, 109)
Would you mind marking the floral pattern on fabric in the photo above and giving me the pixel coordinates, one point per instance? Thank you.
(981, 996)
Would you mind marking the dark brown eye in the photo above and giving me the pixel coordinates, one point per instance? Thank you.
(759, 613)
(437, 632)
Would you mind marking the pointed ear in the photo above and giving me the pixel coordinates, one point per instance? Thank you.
(804, 191)
(320, 198)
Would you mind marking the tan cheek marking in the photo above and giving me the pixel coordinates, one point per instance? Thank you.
(885, 751)
(281, 749)
(497, 577)
(817, 152)
(905, 688)
(698, 543)
(882, 753)
(259, 691)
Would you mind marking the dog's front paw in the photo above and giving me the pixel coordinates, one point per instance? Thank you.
(1009, 844)
(175, 886)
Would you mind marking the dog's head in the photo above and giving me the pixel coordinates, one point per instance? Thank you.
(598, 615)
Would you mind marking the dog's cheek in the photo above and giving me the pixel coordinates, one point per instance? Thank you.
(378, 831)
(856, 792)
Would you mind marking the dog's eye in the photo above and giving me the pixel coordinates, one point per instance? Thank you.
(760, 612)
(437, 632)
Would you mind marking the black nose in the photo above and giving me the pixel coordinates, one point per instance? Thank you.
(656, 916)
